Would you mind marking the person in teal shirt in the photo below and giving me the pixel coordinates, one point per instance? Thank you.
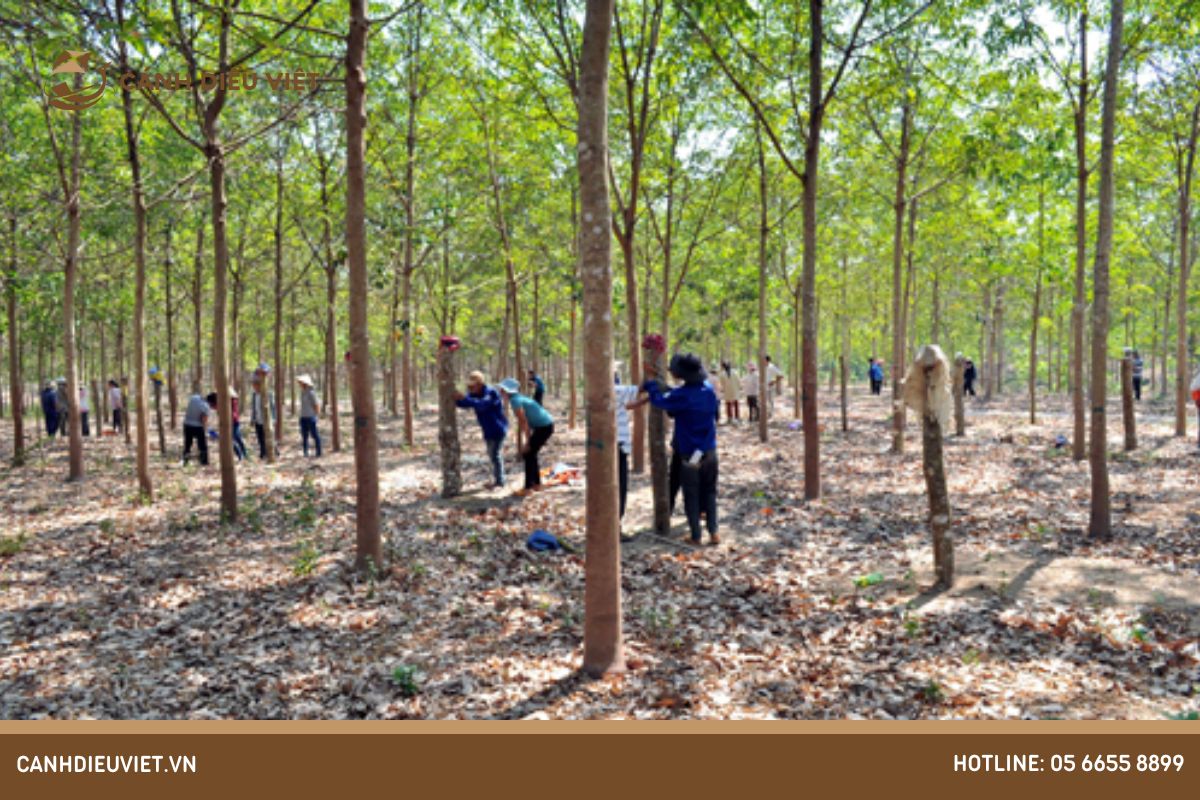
(536, 424)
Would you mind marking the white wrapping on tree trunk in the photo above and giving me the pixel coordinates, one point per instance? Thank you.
(915, 390)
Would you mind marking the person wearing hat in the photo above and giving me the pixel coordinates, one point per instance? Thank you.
(50, 408)
(537, 425)
(489, 413)
(195, 418)
(257, 419)
(694, 443)
(309, 410)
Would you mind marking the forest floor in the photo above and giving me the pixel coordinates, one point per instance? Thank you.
(112, 609)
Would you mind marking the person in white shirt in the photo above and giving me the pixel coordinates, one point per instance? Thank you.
(729, 392)
(117, 406)
(750, 389)
(626, 398)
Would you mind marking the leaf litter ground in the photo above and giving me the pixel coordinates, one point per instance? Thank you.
(111, 609)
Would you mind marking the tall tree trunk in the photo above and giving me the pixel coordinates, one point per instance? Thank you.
(764, 386)
(14, 348)
(366, 443)
(1037, 306)
(331, 358)
(278, 348)
(998, 334)
(602, 651)
(172, 386)
(1100, 524)
(638, 415)
(140, 397)
(1078, 441)
(71, 199)
(448, 444)
(899, 205)
(216, 168)
(410, 221)
(197, 305)
(808, 273)
(1185, 264)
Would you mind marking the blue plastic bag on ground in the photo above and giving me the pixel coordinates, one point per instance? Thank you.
(540, 542)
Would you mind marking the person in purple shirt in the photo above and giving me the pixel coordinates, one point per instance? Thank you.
(693, 406)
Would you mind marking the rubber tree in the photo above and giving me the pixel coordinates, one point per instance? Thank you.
(369, 548)
(1100, 524)
(602, 650)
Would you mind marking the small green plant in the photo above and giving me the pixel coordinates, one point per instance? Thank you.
(912, 626)
(306, 515)
(1184, 716)
(405, 678)
(107, 527)
(933, 692)
(418, 570)
(971, 657)
(862, 581)
(658, 623)
(306, 559)
(1139, 634)
(12, 545)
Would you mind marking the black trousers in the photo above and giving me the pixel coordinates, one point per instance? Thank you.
(674, 477)
(876, 386)
(1137, 388)
(623, 477)
(118, 423)
(195, 433)
(83, 418)
(969, 388)
(699, 484)
(537, 440)
(262, 440)
(752, 406)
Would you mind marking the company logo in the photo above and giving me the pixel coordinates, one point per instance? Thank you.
(64, 95)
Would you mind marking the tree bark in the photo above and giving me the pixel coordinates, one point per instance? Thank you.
(1128, 417)
(899, 205)
(369, 547)
(14, 348)
(1078, 309)
(410, 222)
(448, 444)
(140, 398)
(764, 386)
(960, 423)
(602, 650)
(808, 273)
(172, 395)
(1101, 514)
(1037, 306)
(278, 348)
(660, 477)
(1185, 263)
(71, 270)
(935, 487)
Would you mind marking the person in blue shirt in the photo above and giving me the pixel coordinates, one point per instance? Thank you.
(875, 373)
(693, 406)
(538, 385)
(537, 425)
(50, 409)
(489, 412)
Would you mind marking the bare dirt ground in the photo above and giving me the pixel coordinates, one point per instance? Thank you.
(115, 610)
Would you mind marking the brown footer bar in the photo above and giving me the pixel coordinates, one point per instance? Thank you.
(727, 760)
